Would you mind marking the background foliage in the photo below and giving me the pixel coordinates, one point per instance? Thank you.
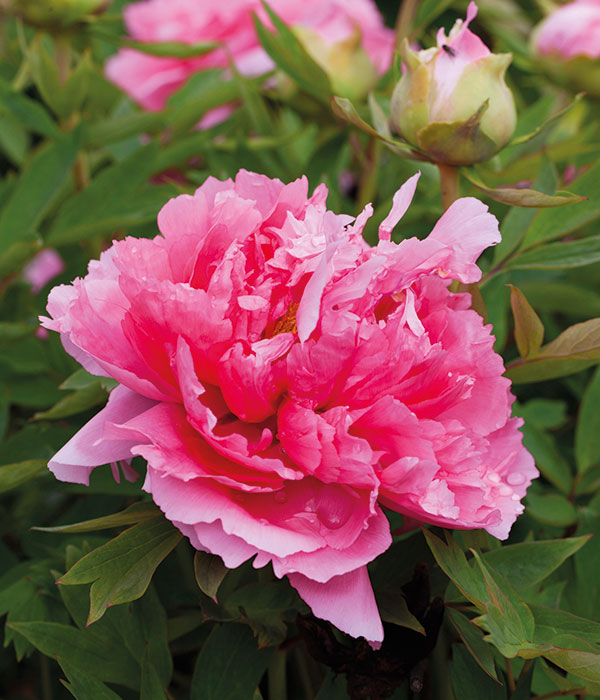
(119, 604)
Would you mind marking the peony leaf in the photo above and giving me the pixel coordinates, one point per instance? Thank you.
(13, 475)
(84, 687)
(136, 513)
(344, 109)
(29, 113)
(209, 571)
(551, 622)
(229, 665)
(529, 330)
(150, 687)
(522, 197)
(174, 49)
(468, 679)
(109, 131)
(587, 433)
(452, 560)
(78, 401)
(36, 189)
(121, 569)
(524, 138)
(472, 637)
(548, 457)
(551, 509)
(287, 52)
(576, 348)
(557, 256)
(81, 650)
(393, 608)
(549, 225)
(527, 564)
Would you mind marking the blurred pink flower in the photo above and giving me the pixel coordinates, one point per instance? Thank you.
(283, 380)
(150, 80)
(43, 267)
(571, 30)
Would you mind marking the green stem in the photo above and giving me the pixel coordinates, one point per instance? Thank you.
(510, 677)
(367, 185)
(449, 184)
(404, 21)
(62, 53)
(558, 693)
(277, 676)
(46, 682)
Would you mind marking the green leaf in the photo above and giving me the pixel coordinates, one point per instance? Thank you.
(209, 571)
(549, 225)
(136, 513)
(173, 49)
(111, 201)
(551, 509)
(472, 637)
(515, 224)
(289, 54)
(469, 681)
(545, 414)
(28, 112)
(508, 619)
(120, 128)
(150, 688)
(122, 568)
(585, 664)
(14, 141)
(548, 457)
(393, 608)
(551, 622)
(229, 665)
(529, 330)
(521, 197)
(265, 606)
(81, 650)
(344, 109)
(83, 687)
(539, 128)
(587, 433)
(575, 349)
(527, 564)
(13, 475)
(80, 379)
(558, 256)
(36, 189)
(454, 564)
(80, 400)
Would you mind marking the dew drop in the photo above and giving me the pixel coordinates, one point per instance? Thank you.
(516, 497)
(334, 507)
(505, 490)
(494, 478)
(515, 479)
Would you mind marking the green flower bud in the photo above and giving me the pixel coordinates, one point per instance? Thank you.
(452, 101)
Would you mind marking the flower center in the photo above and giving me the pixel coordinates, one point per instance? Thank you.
(287, 323)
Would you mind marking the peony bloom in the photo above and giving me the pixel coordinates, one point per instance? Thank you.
(452, 101)
(43, 267)
(284, 380)
(567, 43)
(150, 80)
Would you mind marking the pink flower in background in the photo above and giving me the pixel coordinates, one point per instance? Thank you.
(43, 267)
(150, 80)
(571, 30)
(284, 380)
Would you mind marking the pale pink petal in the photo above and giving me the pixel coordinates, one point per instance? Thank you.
(347, 601)
(401, 202)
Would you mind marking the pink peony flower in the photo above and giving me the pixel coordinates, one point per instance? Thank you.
(150, 80)
(284, 380)
(571, 30)
(43, 267)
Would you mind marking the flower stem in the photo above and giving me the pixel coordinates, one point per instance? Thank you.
(277, 675)
(404, 21)
(449, 184)
(558, 693)
(510, 677)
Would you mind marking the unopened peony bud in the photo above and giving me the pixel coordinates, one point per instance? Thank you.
(567, 44)
(53, 14)
(452, 101)
(347, 64)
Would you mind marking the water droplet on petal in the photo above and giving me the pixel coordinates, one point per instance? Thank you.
(505, 490)
(515, 479)
(494, 478)
(334, 506)
(516, 497)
